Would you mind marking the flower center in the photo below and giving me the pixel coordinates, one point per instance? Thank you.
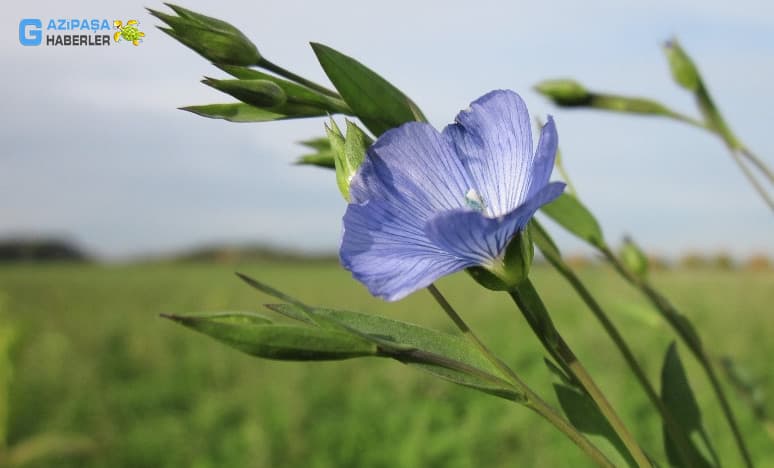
(474, 200)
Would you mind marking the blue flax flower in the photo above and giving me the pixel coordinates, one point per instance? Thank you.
(426, 204)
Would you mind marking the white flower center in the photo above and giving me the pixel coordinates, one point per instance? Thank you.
(474, 200)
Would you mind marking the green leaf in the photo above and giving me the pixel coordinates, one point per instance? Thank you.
(241, 112)
(678, 397)
(586, 417)
(572, 215)
(380, 105)
(408, 343)
(319, 144)
(323, 157)
(295, 93)
(281, 342)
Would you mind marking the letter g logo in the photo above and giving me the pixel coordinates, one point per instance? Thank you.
(30, 32)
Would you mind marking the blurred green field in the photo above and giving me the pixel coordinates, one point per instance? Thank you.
(95, 371)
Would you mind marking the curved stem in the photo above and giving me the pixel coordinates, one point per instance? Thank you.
(677, 433)
(527, 299)
(676, 320)
(298, 79)
(532, 400)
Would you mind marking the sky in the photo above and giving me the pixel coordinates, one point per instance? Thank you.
(95, 149)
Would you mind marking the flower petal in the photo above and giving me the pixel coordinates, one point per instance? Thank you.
(386, 252)
(415, 170)
(476, 239)
(545, 154)
(494, 140)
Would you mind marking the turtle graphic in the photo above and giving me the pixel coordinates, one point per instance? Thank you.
(128, 32)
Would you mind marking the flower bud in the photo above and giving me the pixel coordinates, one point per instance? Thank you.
(260, 93)
(348, 152)
(511, 268)
(683, 69)
(564, 92)
(633, 258)
(213, 39)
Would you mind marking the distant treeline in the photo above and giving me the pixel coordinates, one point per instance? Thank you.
(52, 250)
(41, 250)
(249, 253)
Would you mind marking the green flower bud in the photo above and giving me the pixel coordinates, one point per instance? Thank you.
(213, 39)
(260, 93)
(633, 258)
(564, 92)
(683, 69)
(512, 268)
(348, 152)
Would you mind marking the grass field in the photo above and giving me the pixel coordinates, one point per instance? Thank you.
(97, 373)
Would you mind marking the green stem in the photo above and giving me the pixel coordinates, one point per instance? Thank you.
(676, 321)
(563, 173)
(751, 177)
(689, 120)
(677, 433)
(298, 79)
(758, 163)
(529, 302)
(532, 400)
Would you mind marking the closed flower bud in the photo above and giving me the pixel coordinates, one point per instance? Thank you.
(213, 39)
(633, 258)
(260, 93)
(348, 153)
(683, 69)
(564, 92)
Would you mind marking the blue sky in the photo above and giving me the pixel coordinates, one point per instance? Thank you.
(94, 148)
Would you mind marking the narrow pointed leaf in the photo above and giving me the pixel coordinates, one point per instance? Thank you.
(324, 160)
(281, 342)
(319, 144)
(572, 215)
(678, 397)
(407, 342)
(241, 112)
(380, 105)
(323, 157)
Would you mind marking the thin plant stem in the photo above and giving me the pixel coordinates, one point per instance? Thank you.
(674, 319)
(526, 297)
(531, 399)
(736, 149)
(735, 154)
(298, 79)
(677, 433)
(563, 172)
(758, 163)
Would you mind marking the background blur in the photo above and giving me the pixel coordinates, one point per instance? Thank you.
(96, 154)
